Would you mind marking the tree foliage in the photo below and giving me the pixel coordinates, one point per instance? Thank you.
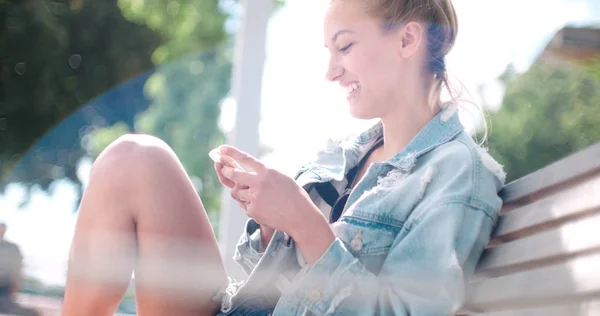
(55, 57)
(76, 74)
(547, 113)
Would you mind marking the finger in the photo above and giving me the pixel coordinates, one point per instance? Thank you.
(228, 161)
(241, 186)
(236, 189)
(245, 195)
(250, 211)
(224, 180)
(235, 194)
(244, 158)
(240, 177)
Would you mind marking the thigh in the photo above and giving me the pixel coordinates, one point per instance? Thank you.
(179, 262)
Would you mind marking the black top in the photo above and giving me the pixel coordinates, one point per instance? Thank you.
(330, 194)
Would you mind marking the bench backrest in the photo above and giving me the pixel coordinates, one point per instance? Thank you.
(544, 257)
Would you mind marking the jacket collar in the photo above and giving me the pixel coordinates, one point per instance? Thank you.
(440, 130)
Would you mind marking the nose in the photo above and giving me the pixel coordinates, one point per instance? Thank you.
(334, 70)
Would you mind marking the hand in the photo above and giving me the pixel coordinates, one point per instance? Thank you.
(273, 198)
(276, 200)
(266, 232)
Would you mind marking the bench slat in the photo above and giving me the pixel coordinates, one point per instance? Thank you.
(577, 279)
(579, 237)
(544, 255)
(577, 309)
(573, 202)
(579, 164)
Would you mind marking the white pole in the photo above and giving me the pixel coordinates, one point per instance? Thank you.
(246, 91)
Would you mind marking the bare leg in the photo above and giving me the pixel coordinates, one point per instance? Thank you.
(141, 212)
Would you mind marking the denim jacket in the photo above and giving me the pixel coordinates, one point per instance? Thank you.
(409, 239)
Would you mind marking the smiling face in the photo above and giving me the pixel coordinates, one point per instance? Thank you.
(364, 58)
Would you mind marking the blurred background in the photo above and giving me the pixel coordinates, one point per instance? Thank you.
(75, 75)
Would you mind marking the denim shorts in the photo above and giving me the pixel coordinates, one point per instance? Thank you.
(235, 301)
(254, 306)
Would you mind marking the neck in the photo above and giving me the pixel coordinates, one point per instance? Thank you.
(401, 126)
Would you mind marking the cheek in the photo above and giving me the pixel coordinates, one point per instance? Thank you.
(372, 67)
(384, 73)
(378, 77)
(358, 64)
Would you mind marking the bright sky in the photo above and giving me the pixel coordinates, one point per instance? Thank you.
(492, 34)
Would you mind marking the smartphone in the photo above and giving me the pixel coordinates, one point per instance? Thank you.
(217, 156)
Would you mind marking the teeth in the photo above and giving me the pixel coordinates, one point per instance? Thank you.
(350, 88)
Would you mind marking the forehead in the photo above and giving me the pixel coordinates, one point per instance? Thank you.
(347, 14)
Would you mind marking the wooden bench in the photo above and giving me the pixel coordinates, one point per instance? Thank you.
(544, 256)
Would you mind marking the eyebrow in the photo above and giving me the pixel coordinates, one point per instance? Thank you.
(338, 33)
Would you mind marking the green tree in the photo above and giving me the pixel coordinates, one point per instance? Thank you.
(593, 66)
(58, 60)
(55, 57)
(548, 112)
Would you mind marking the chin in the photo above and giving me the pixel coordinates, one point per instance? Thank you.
(362, 111)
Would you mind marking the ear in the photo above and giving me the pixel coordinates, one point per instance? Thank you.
(411, 39)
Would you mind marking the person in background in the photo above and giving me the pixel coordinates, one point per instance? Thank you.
(11, 262)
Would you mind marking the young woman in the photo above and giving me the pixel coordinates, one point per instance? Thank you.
(392, 221)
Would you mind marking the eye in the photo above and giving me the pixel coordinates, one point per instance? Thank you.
(346, 48)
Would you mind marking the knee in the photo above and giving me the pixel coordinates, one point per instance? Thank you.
(130, 145)
(131, 154)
